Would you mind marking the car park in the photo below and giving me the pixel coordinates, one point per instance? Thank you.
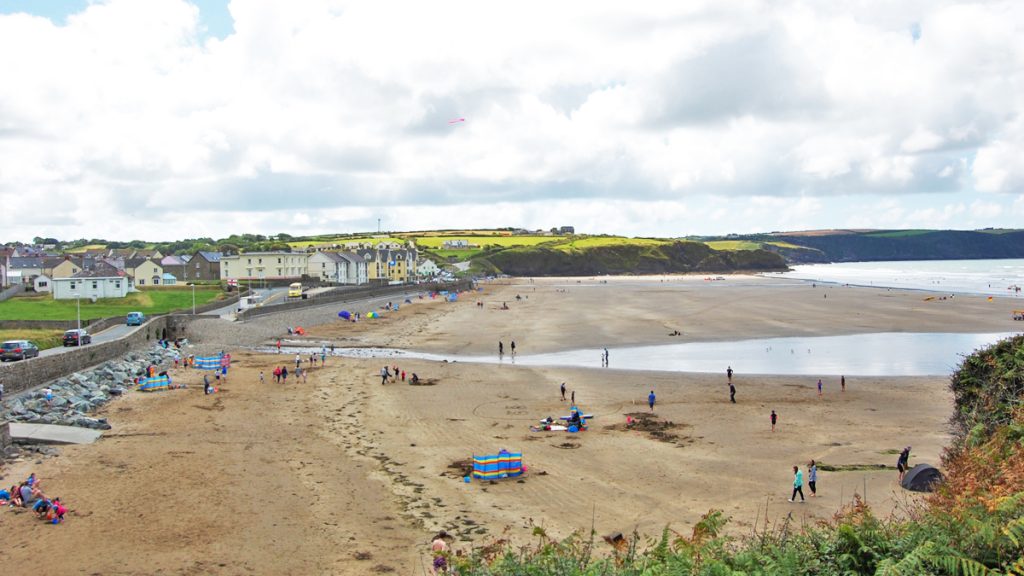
(77, 337)
(18, 350)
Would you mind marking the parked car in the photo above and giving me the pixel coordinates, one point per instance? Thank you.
(136, 318)
(17, 350)
(78, 337)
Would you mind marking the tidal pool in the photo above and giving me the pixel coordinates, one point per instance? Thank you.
(875, 354)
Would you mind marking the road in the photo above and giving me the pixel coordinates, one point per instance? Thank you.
(112, 333)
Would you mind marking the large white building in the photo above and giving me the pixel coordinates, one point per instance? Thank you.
(264, 266)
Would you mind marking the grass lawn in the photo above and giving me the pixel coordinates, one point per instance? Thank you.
(150, 302)
(733, 245)
(43, 338)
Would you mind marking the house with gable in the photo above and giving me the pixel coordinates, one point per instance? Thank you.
(203, 265)
(143, 271)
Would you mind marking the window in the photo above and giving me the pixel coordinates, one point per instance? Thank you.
(42, 284)
(142, 281)
(117, 284)
(278, 260)
(197, 265)
(250, 261)
(95, 284)
(72, 285)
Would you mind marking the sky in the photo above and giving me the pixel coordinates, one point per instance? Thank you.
(170, 119)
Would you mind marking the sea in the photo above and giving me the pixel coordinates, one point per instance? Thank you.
(986, 277)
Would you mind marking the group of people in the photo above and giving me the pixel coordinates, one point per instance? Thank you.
(386, 374)
(798, 481)
(29, 494)
(573, 393)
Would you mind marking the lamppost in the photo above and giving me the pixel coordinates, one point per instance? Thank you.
(78, 306)
(193, 298)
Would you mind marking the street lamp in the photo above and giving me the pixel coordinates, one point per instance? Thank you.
(193, 298)
(78, 306)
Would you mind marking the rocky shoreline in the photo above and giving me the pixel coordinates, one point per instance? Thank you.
(75, 396)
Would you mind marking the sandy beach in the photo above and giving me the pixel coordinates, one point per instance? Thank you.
(341, 475)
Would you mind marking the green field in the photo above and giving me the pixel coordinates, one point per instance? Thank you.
(733, 245)
(150, 302)
(460, 255)
(41, 337)
(341, 241)
(435, 242)
(602, 241)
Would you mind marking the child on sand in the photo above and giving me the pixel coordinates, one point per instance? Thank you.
(650, 400)
(775, 419)
(819, 386)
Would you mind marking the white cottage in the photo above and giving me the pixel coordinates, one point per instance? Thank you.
(90, 284)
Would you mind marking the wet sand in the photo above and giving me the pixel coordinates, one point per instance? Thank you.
(310, 478)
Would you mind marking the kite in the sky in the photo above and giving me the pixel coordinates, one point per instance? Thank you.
(457, 120)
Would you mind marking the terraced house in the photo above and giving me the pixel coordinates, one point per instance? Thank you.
(390, 265)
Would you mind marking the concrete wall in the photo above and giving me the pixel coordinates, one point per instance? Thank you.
(12, 291)
(26, 374)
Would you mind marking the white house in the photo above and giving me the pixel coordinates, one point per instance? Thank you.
(426, 269)
(90, 284)
(42, 283)
(338, 267)
(357, 272)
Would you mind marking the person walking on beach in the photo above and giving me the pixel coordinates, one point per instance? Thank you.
(513, 348)
(732, 393)
(277, 375)
(206, 383)
(798, 484)
(278, 345)
(650, 400)
(728, 373)
(605, 359)
(842, 383)
(563, 391)
(812, 478)
(903, 462)
(819, 387)
(775, 419)
(298, 360)
(501, 349)
(284, 374)
(261, 377)
(573, 401)
(384, 375)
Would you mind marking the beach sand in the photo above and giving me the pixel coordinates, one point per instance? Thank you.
(341, 475)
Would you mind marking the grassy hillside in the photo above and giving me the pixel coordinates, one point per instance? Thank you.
(639, 257)
(973, 525)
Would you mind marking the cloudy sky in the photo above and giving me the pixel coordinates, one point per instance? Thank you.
(164, 119)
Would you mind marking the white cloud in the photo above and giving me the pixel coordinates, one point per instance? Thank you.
(322, 114)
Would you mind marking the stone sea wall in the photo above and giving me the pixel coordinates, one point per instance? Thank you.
(26, 374)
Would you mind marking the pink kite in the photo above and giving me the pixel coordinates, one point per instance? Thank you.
(457, 120)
